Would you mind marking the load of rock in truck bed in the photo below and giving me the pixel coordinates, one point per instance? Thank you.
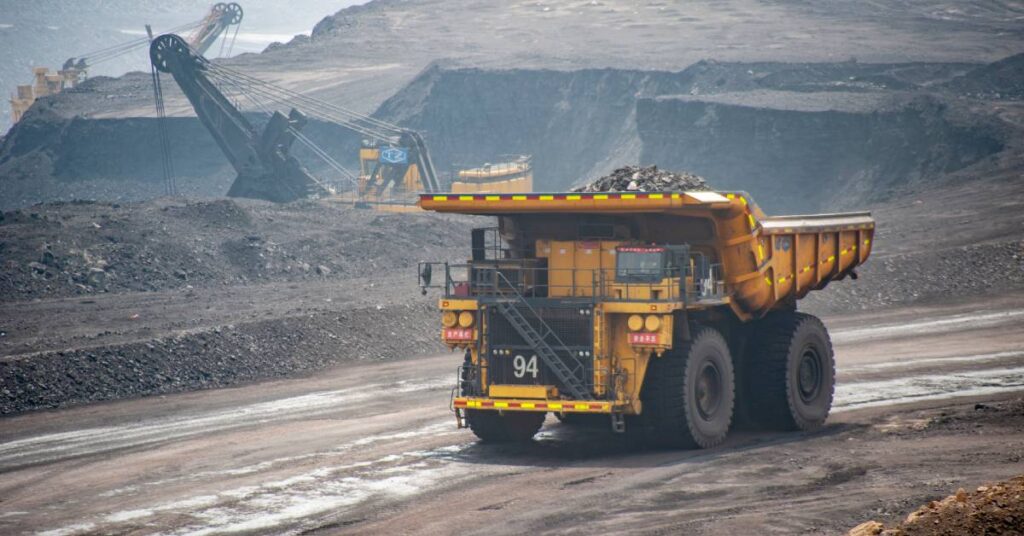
(645, 179)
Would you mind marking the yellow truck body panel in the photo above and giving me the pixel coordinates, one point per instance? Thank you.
(766, 261)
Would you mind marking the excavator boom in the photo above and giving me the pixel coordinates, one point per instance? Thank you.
(265, 169)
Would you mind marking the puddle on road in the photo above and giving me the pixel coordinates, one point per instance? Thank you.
(906, 329)
(287, 502)
(911, 363)
(52, 447)
(850, 396)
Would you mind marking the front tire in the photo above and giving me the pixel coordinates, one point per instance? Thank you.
(511, 427)
(791, 373)
(689, 394)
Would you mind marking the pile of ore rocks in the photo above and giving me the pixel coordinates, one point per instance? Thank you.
(645, 179)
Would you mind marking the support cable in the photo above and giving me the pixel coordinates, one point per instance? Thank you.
(108, 53)
(233, 37)
(279, 99)
(170, 188)
(301, 138)
(350, 115)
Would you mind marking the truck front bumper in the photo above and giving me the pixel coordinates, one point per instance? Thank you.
(557, 406)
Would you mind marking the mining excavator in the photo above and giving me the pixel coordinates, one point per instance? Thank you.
(395, 164)
(266, 170)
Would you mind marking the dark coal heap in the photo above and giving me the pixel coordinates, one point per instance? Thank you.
(645, 179)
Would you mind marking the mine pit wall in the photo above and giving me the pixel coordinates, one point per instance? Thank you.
(48, 158)
(576, 124)
(804, 161)
(580, 124)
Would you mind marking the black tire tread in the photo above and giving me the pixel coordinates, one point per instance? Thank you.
(665, 400)
(769, 382)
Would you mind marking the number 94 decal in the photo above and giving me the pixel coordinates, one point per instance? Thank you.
(522, 366)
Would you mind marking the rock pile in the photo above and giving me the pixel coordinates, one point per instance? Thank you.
(58, 250)
(216, 356)
(993, 509)
(645, 179)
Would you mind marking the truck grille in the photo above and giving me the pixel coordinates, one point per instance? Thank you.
(572, 323)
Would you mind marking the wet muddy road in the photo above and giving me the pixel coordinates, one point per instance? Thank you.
(928, 400)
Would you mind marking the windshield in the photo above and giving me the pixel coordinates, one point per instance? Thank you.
(639, 264)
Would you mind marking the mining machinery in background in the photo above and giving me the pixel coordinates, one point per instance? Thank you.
(514, 174)
(261, 158)
(202, 34)
(395, 164)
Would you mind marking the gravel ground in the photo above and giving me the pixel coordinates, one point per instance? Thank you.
(258, 257)
(75, 249)
(956, 273)
(216, 356)
(253, 254)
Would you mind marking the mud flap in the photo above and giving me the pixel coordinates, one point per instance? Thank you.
(618, 423)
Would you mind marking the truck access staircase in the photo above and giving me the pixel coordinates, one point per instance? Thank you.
(569, 376)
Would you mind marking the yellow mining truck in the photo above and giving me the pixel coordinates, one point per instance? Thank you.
(667, 312)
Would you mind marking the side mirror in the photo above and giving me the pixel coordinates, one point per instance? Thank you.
(425, 275)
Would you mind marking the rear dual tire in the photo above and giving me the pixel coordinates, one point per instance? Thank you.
(790, 373)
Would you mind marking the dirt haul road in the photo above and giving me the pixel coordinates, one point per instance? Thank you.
(929, 399)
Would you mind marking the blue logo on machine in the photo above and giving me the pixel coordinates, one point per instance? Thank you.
(394, 155)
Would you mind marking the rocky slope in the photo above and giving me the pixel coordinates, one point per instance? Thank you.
(822, 151)
(61, 250)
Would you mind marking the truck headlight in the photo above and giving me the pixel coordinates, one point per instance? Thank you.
(449, 318)
(465, 319)
(635, 322)
(652, 322)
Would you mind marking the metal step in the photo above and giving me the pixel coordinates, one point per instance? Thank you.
(568, 376)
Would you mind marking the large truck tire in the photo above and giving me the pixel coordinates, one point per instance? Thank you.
(511, 427)
(791, 373)
(688, 394)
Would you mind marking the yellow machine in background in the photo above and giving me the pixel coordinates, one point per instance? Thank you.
(389, 180)
(398, 196)
(505, 177)
(46, 83)
(204, 33)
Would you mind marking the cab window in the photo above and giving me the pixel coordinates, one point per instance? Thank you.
(639, 264)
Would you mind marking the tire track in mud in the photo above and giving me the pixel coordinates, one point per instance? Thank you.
(290, 495)
(338, 488)
(53, 447)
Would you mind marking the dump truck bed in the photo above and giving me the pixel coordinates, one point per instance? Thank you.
(767, 262)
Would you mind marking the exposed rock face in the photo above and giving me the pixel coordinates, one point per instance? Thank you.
(802, 157)
(576, 124)
(798, 137)
(1003, 79)
(51, 158)
(990, 509)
